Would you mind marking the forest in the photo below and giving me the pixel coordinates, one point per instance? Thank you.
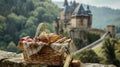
(19, 18)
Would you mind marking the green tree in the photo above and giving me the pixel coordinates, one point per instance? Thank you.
(3, 45)
(12, 47)
(2, 18)
(29, 23)
(16, 20)
(49, 27)
(3, 27)
(92, 37)
(78, 43)
(19, 18)
(7, 38)
(23, 34)
(109, 51)
(89, 56)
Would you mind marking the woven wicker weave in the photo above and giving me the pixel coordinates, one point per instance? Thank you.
(44, 52)
(46, 56)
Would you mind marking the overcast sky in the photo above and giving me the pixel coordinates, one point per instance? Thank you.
(109, 3)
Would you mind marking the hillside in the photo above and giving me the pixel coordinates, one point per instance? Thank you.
(19, 18)
(102, 16)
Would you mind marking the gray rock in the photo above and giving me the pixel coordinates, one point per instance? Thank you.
(9, 59)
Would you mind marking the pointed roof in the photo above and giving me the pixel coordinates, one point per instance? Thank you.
(73, 5)
(71, 2)
(79, 11)
(65, 3)
(88, 9)
(81, 8)
(66, 9)
(74, 2)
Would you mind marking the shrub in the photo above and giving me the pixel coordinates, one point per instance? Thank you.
(89, 56)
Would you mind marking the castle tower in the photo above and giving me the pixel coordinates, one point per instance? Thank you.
(71, 2)
(65, 13)
(73, 6)
(81, 18)
(111, 30)
(89, 16)
(65, 16)
(65, 3)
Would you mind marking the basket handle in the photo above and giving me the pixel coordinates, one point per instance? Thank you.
(41, 25)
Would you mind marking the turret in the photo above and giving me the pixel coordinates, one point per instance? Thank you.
(70, 2)
(88, 9)
(65, 3)
(111, 30)
(89, 16)
(73, 5)
(79, 18)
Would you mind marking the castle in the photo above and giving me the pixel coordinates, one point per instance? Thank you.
(72, 17)
(75, 22)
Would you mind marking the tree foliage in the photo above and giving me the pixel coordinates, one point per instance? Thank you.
(19, 18)
(11, 47)
(109, 52)
(85, 40)
(92, 37)
(89, 56)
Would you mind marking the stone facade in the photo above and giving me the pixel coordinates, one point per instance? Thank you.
(73, 17)
(111, 29)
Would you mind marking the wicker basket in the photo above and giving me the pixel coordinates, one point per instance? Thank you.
(46, 55)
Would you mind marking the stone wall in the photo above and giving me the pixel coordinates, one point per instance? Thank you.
(96, 31)
(9, 59)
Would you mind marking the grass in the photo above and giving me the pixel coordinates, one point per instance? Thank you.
(117, 47)
(98, 51)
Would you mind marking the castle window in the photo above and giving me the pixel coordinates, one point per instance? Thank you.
(81, 23)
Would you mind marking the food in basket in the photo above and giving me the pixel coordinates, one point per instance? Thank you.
(44, 37)
(46, 48)
(53, 37)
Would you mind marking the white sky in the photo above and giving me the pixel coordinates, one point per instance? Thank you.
(109, 3)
